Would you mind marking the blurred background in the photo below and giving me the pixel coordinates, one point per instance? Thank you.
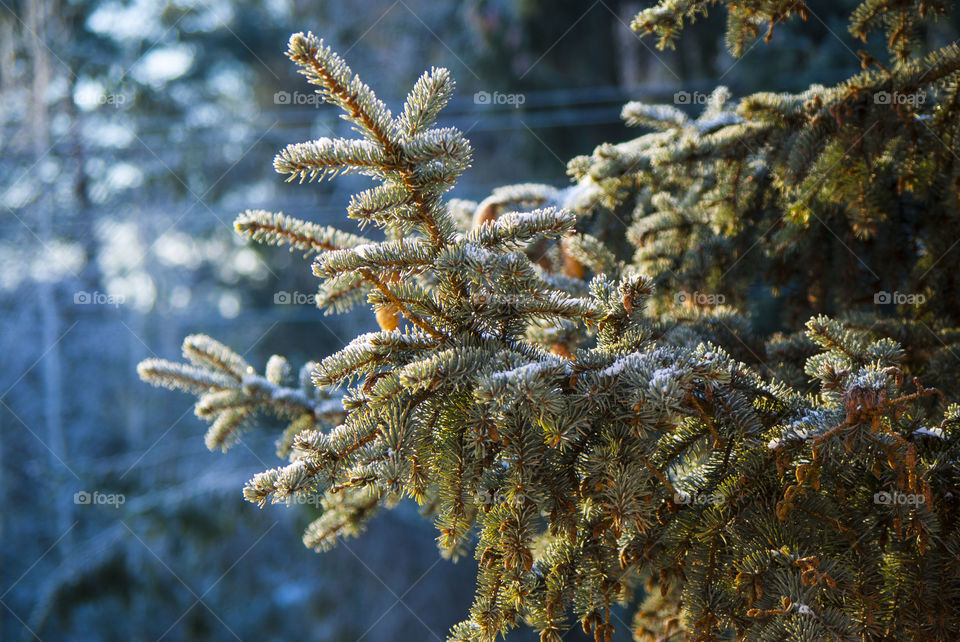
(131, 134)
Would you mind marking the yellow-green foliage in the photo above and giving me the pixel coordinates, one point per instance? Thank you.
(598, 428)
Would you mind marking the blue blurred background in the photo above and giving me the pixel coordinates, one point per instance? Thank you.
(131, 134)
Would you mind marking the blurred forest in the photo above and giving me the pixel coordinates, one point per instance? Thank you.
(131, 134)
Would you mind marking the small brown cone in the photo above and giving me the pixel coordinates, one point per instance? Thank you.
(387, 317)
(571, 266)
(486, 213)
(561, 350)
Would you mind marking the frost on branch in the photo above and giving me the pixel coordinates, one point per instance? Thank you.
(560, 394)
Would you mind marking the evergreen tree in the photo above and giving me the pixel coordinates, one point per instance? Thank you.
(594, 426)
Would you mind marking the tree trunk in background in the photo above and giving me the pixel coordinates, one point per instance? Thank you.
(7, 54)
(629, 52)
(640, 63)
(49, 348)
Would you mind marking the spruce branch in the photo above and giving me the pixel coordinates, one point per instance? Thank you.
(279, 229)
(564, 399)
(325, 158)
(230, 393)
(339, 86)
(429, 95)
(411, 158)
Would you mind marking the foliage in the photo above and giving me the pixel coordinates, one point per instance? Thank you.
(585, 422)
